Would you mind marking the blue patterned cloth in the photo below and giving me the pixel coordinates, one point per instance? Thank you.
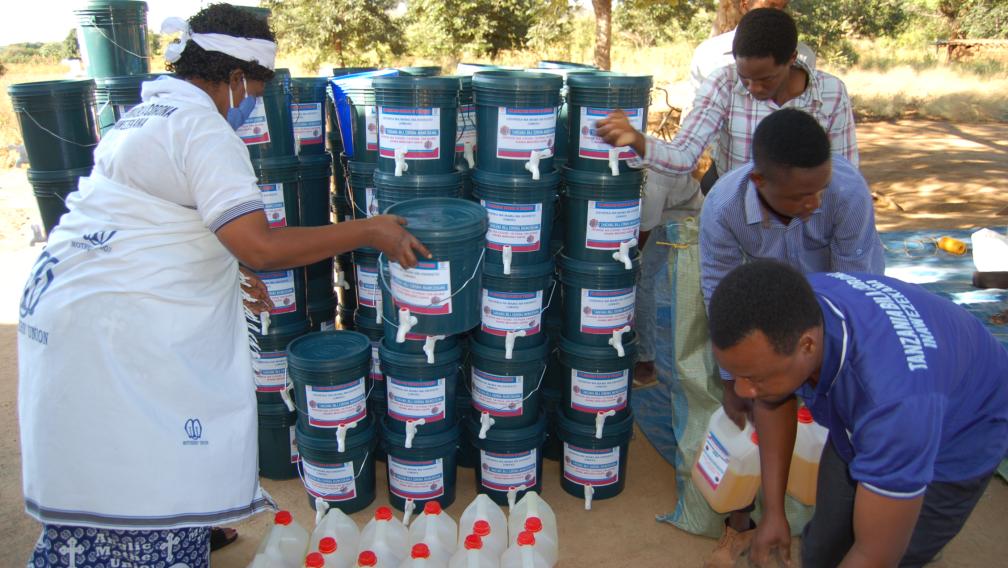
(84, 547)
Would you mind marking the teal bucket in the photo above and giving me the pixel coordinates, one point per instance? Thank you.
(513, 304)
(441, 295)
(509, 459)
(467, 456)
(346, 283)
(589, 460)
(391, 189)
(596, 381)
(307, 109)
(58, 123)
(563, 119)
(330, 374)
(322, 313)
(506, 389)
(420, 70)
(116, 96)
(314, 175)
(520, 214)
(287, 290)
(269, 132)
(280, 186)
(278, 453)
(551, 400)
(548, 64)
(465, 129)
(602, 212)
(598, 299)
(51, 189)
(363, 196)
(269, 364)
(417, 116)
(516, 117)
(593, 96)
(423, 472)
(417, 389)
(369, 295)
(343, 479)
(113, 38)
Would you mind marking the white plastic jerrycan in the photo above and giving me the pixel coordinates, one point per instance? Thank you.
(524, 554)
(437, 530)
(421, 557)
(727, 468)
(344, 534)
(284, 545)
(485, 519)
(472, 554)
(545, 541)
(532, 505)
(386, 537)
(809, 443)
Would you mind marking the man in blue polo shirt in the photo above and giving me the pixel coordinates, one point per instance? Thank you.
(913, 389)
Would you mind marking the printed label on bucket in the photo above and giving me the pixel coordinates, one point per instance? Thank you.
(713, 461)
(273, 202)
(465, 131)
(512, 311)
(371, 202)
(270, 369)
(307, 118)
(501, 472)
(497, 395)
(328, 325)
(294, 453)
(522, 130)
(417, 131)
(611, 223)
(333, 406)
(605, 311)
(424, 289)
(332, 482)
(594, 148)
(417, 480)
(367, 286)
(599, 392)
(376, 374)
(280, 285)
(371, 127)
(255, 129)
(596, 468)
(413, 400)
(518, 225)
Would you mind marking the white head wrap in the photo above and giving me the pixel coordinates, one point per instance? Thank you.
(261, 51)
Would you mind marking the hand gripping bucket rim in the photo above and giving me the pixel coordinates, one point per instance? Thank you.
(470, 222)
(329, 352)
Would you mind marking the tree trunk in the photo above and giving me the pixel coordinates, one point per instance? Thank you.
(603, 33)
(728, 15)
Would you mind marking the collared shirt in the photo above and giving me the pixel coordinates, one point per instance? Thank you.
(912, 387)
(725, 111)
(840, 235)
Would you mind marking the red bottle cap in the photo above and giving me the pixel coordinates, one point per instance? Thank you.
(314, 560)
(754, 438)
(481, 528)
(383, 514)
(533, 524)
(420, 550)
(805, 415)
(432, 508)
(473, 542)
(327, 545)
(367, 558)
(526, 538)
(283, 518)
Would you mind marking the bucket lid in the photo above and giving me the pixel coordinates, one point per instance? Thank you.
(280, 341)
(504, 435)
(610, 428)
(446, 350)
(422, 440)
(421, 70)
(510, 182)
(593, 269)
(603, 180)
(537, 270)
(518, 355)
(607, 81)
(420, 181)
(124, 82)
(361, 435)
(416, 83)
(52, 88)
(329, 351)
(501, 79)
(442, 219)
(599, 351)
(361, 168)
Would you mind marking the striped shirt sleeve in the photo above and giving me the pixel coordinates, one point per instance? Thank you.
(855, 245)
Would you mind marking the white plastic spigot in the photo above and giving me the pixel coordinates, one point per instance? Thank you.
(468, 154)
(341, 431)
(411, 430)
(406, 323)
(428, 347)
(533, 164)
(400, 162)
(614, 161)
(506, 254)
(408, 509)
(616, 341)
(623, 254)
(264, 321)
(321, 508)
(600, 419)
(486, 421)
(285, 396)
(509, 341)
(512, 496)
(341, 281)
(589, 492)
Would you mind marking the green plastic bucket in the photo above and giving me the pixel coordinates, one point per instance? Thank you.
(509, 459)
(287, 290)
(51, 190)
(330, 370)
(421, 70)
(467, 69)
(602, 212)
(441, 295)
(516, 118)
(278, 453)
(418, 343)
(116, 96)
(417, 116)
(593, 96)
(417, 389)
(563, 122)
(551, 400)
(514, 303)
(467, 455)
(520, 214)
(598, 299)
(465, 129)
(363, 118)
(269, 364)
(269, 131)
(280, 186)
(322, 313)
(58, 123)
(596, 381)
(390, 189)
(363, 196)
(550, 64)
(589, 461)
(506, 389)
(369, 295)
(307, 109)
(113, 38)
(314, 175)
(346, 284)
(423, 472)
(345, 480)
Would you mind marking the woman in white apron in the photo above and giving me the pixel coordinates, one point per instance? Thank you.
(137, 410)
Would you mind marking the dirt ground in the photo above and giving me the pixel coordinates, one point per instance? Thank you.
(926, 175)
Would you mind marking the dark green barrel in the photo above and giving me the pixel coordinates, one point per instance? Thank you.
(280, 183)
(602, 211)
(596, 380)
(113, 38)
(391, 189)
(345, 480)
(507, 389)
(329, 371)
(515, 303)
(51, 189)
(508, 459)
(269, 364)
(423, 472)
(592, 461)
(520, 213)
(417, 389)
(593, 96)
(308, 108)
(369, 295)
(418, 117)
(421, 70)
(115, 96)
(548, 64)
(58, 123)
(362, 195)
(598, 299)
(269, 131)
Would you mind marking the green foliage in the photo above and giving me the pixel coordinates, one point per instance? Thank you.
(451, 28)
(71, 50)
(32, 52)
(553, 27)
(983, 18)
(645, 23)
(828, 26)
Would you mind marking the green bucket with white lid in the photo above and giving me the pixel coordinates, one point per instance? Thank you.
(602, 215)
(113, 38)
(597, 384)
(510, 461)
(506, 385)
(417, 123)
(269, 131)
(598, 301)
(513, 305)
(594, 464)
(330, 375)
(420, 394)
(343, 477)
(423, 472)
(520, 213)
(593, 96)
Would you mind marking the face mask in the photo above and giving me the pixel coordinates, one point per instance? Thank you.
(237, 115)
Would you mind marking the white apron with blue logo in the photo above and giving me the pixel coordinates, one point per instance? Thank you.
(136, 402)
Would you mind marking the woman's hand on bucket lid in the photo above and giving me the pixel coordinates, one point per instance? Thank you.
(399, 245)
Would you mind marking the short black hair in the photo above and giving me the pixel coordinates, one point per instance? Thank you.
(766, 32)
(215, 66)
(789, 138)
(767, 296)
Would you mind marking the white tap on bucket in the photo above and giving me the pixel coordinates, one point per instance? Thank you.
(400, 162)
(623, 254)
(406, 323)
(614, 161)
(533, 164)
(616, 341)
(428, 347)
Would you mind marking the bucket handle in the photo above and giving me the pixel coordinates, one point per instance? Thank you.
(542, 376)
(387, 288)
(356, 475)
(54, 135)
(94, 23)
